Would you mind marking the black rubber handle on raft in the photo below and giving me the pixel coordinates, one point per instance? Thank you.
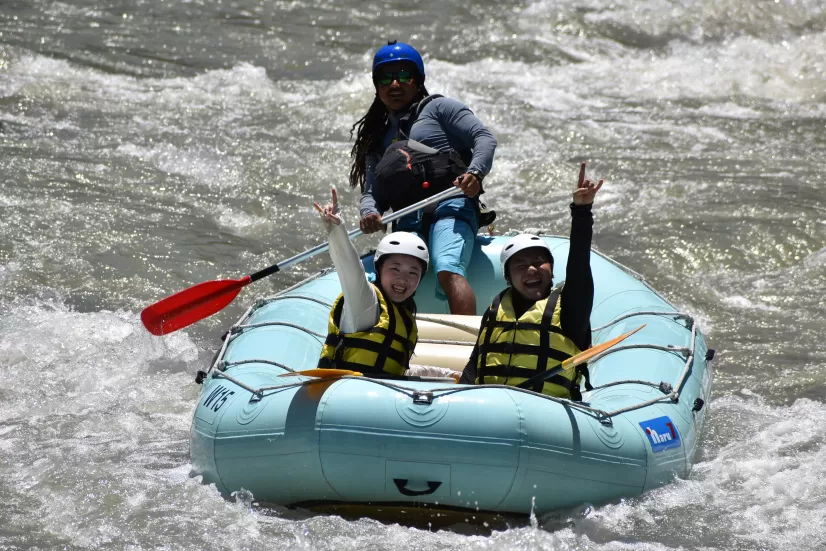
(265, 272)
(401, 484)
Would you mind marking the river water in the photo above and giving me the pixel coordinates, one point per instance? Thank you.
(148, 145)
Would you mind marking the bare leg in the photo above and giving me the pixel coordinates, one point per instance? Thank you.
(460, 297)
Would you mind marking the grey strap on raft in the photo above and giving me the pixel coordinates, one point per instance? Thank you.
(670, 391)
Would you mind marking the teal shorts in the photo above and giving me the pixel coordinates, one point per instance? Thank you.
(451, 244)
(452, 234)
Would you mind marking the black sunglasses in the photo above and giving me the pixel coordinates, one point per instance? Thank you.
(387, 78)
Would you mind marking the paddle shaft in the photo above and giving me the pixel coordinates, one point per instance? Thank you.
(320, 248)
(576, 360)
(200, 301)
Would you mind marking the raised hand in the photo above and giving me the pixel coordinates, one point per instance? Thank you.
(329, 213)
(585, 190)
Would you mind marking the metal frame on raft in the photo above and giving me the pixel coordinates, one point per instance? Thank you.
(671, 392)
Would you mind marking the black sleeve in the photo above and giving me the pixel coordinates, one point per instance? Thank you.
(469, 374)
(578, 294)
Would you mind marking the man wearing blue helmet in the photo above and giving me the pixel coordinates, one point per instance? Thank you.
(410, 145)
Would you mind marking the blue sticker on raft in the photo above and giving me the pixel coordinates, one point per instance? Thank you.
(661, 433)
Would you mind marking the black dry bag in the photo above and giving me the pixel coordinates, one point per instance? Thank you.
(410, 172)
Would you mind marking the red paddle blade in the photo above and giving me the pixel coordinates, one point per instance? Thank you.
(191, 305)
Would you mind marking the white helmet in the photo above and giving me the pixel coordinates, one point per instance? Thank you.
(402, 242)
(520, 243)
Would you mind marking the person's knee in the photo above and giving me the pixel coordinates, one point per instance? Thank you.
(449, 279)
(453, 283)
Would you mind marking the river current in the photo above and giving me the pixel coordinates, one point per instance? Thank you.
(148, 145)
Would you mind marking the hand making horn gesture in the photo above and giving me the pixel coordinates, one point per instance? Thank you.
(329, 213)
(585, 190)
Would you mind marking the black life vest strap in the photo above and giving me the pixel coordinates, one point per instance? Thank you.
(508, 325)
(336, 340)
(524, 373)
(488, 322)
(325, 363)
(383, 349)
(333, 340)
(408, 344)
(505, 371)
(529, 349)
(542, 352)
(385, 345)
(545, 336)
(344, 342)
(407, 120)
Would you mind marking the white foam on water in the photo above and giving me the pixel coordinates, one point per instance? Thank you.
(48, 349)
(816, 259)
(762, 485)
(246, 223)
(95, 413)
(654, 21)
(45, 77)
(207, 166)
(792, 71)
(744, 303)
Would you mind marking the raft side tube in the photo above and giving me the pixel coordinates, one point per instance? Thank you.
(458, 446)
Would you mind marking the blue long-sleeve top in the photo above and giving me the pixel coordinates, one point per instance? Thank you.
(443, 124)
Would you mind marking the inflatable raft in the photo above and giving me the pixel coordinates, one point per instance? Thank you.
(379, 446)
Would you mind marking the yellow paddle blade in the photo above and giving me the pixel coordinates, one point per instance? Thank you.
(583, 357)
(324, 373)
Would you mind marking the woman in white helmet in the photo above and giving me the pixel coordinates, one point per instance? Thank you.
(530, 327)
(372, 327)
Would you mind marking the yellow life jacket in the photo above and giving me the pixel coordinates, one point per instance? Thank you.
(512, 351)
(387, 347)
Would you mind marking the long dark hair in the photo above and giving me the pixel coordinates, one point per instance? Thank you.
(370, 130)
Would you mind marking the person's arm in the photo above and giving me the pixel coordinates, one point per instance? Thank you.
(577, 296)
(469, 374)
(369, 208)
(361, 305)
(464, 128)
(465, 131)
(431, 371)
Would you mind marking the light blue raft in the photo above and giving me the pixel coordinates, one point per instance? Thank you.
(375, 446)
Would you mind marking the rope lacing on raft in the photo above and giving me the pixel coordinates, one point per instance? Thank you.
(670, 392)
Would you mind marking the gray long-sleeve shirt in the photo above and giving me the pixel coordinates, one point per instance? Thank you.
(443, 124)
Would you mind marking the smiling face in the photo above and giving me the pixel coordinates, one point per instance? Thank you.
(397, 96)
(530, 273)
(400, 274)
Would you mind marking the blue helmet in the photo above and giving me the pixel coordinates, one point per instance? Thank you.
(398, 51)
